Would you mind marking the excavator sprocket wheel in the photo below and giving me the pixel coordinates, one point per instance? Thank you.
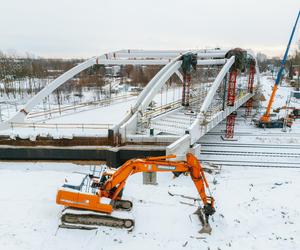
(122, 205)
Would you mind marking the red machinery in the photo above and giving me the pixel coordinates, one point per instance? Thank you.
(239, 65)
(249, 103)
(230, 102)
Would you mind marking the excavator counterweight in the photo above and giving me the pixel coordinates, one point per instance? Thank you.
(97, 200)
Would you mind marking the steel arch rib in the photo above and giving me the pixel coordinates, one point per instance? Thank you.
(216, 84)
(146, 96)
(152, 88)
(20, 116)
(208, 99)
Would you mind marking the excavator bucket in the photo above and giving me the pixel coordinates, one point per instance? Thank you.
(206, 228)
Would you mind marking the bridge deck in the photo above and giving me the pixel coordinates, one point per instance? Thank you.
(176, 123)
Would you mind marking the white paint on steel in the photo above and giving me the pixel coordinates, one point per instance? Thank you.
(180, 147)
(162, 54)
(20, 116)
(144, 94)
(158, 84)
(217, 82)
(152, 88)
(180, 76)
(197, 129)
(155, 61)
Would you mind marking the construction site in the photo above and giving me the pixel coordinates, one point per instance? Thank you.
(152, 149)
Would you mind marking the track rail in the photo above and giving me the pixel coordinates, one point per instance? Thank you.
(264, 154)
(251, 155)
(253, 145)
(240, 163)
(254, 134)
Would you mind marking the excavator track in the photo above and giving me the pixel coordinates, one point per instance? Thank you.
(124, 205)
(93, 221)
(73, 218)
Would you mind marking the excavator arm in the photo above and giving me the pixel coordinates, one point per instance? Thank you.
(158, 164)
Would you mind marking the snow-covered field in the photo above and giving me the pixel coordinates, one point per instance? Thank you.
(256, 209)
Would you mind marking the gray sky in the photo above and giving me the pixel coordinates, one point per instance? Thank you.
(72, 28)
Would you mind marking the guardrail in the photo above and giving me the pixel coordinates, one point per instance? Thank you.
(80, 105)
(168, 107)
(62, 126)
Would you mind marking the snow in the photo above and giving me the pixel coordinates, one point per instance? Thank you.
(256, 209)
(105, 115)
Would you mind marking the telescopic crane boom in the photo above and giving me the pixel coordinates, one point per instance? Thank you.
(266, 117)
(110, 187)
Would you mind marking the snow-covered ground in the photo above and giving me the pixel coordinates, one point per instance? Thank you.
(256, 209)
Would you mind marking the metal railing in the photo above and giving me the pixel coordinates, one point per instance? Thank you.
(80, 105)
(57, 126)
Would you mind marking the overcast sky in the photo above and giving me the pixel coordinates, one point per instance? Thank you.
(73, 28)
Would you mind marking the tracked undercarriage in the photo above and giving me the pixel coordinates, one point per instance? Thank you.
(74, 218)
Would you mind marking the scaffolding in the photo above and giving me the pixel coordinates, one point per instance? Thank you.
(249, 103)
(231, 94)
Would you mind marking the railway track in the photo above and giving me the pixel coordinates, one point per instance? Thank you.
(294, 134)
(239, 163)
(251, 155)
(264, 154)
(249, 145)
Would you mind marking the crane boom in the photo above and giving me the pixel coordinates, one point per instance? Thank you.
(266, 116)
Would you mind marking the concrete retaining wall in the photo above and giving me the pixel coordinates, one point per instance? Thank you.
(113, 156)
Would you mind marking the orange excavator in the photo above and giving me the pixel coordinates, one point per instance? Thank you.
(97, 200)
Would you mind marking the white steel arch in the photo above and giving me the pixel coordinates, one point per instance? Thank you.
(198, 128)
(125, 57)
(129, 124)
(21, 115)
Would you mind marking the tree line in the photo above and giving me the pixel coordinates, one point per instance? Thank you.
(30, 74)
